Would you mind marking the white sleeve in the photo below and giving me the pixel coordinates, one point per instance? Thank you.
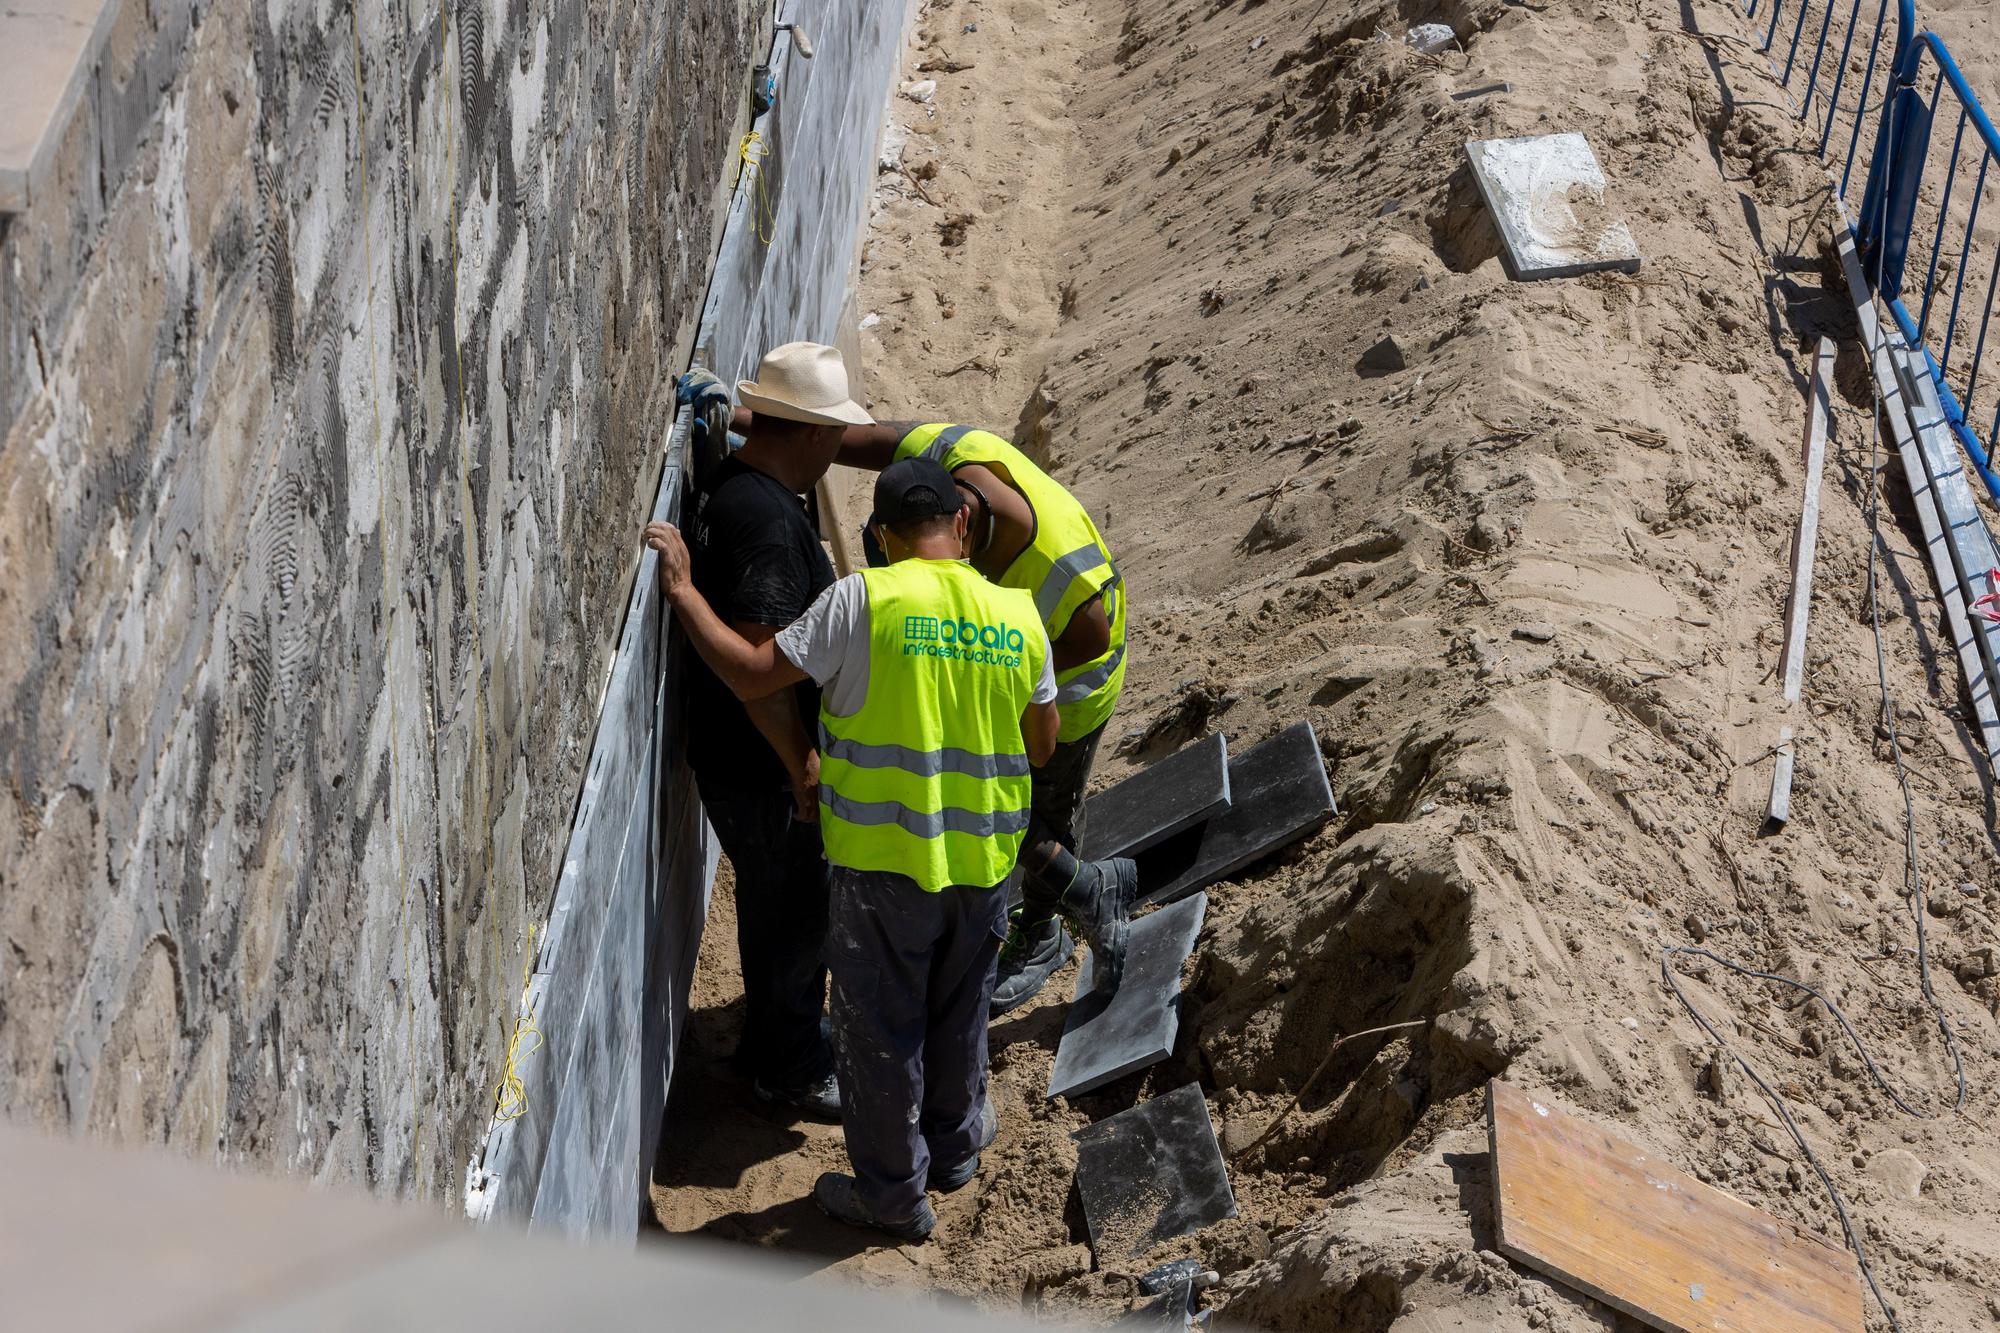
(1045, 688)
(817, 642)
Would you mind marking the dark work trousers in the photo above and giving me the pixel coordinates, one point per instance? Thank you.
(780, 930)
(1056, 814)
(912, 980)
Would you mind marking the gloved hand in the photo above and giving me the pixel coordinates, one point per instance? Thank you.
(699, 388)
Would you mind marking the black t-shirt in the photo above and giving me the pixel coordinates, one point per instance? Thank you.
(756, 557)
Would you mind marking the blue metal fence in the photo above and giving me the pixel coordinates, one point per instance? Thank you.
(1923, 193)
(1828, 55)
(1936, 175)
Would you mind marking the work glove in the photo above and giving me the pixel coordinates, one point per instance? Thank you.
(699, 389)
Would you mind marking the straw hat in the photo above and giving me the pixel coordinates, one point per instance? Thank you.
(803, 382)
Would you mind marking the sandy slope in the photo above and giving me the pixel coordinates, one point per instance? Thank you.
(1181, 223)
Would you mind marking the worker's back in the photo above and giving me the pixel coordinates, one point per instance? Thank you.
(929, 778)
(1066, 564)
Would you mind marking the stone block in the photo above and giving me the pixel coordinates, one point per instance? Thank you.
(1547, 197)
(1278, 794)
(1109, 1035)
(51, 55)
(1150, 1174)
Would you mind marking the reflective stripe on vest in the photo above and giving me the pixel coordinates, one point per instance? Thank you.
(1066, 565)
(874, 814)
(924, 763)
(1091, 678)
(930, 779)
(946, 438)
(1083, 560)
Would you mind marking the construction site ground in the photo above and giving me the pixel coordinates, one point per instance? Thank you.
(1528, 589)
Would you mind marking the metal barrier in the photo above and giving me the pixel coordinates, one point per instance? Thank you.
(1836, 79)
(1915, 209)
(1923, 214)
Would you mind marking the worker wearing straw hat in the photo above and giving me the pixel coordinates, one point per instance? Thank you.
(757, 559)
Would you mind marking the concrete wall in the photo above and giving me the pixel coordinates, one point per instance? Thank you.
(334, 387)
(610, 987)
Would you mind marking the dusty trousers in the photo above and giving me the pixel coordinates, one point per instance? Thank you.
(912, 978)
(780, 930)
(1055, 814)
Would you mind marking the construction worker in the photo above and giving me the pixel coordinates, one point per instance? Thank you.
(1025, 531)
(758, 561)
(938, 698)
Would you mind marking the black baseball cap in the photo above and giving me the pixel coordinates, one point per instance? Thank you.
(914, 488)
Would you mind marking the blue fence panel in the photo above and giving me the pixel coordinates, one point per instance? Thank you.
(1936, 216)
(1875, 90)
(1830, 56)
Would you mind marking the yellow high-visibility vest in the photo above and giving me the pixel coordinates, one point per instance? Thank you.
(930, 778)
(1065, 565)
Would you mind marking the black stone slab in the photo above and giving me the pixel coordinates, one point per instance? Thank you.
(1106, 1037)
(1151, 1173)
(1186, 788)
(1278, 793)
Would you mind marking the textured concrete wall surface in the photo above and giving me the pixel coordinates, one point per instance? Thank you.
(609, 989)
(335, 382)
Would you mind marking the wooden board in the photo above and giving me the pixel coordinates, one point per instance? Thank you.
(1805, 541)
(1619, 1224)
(1779, 808)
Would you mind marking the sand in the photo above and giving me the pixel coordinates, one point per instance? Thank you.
(1157, 238)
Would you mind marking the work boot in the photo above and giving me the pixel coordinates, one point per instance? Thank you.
(1029, 958)
(835, 1194)
(946, 1179)
(819, 1098)
(1100, 903)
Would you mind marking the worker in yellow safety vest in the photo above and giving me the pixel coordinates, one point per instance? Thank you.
(1026, 531)
(939, 700)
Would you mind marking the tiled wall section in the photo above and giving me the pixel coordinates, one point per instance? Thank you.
(611, 985)
(334, 389)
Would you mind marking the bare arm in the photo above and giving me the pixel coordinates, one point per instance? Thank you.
(871, 448)
(1038, 728)
(776, 717)
(751, 671)
(1086, 638)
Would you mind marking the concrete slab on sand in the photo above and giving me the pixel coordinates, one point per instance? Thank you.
(1106, 1037)
(1151, 1173)
(50, 46)
(1186, 788)
(1278, 793)
(1546, 195)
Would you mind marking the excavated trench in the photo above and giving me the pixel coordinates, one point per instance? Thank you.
(1519, 577)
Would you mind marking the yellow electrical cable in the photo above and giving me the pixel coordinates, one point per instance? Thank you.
(760, 207)
(389, 563)
(510, 1096)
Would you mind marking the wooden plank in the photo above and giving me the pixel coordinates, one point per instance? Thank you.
(1779, 810)
(1623, 1226)
(1805, 541)
(1955, 624)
